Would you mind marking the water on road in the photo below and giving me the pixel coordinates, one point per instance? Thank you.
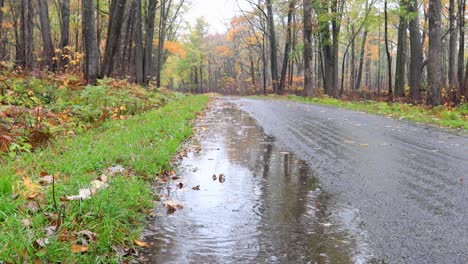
(267, 206)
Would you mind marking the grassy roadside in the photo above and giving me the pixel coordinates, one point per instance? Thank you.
(441, 116)
(104, 228)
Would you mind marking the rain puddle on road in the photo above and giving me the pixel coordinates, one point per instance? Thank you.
(268, 207)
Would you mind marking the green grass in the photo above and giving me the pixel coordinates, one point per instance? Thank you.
(441, 116)
(143, 144)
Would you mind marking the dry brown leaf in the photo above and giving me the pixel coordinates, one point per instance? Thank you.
(78, 249)
(140, 243)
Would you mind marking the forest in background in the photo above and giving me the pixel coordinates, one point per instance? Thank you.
(406, 50)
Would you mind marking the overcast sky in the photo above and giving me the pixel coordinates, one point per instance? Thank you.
(216, 12)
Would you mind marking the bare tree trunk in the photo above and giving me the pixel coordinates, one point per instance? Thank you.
(89, 42)
(361, 60)
(2, 43)
(273, 52)
(416, 52)
(287, 46)
(26, 37)
(64, 31)
(401, 52)
(48, 46)
(434, 66)
(149, 41)
(389, 57)
(461, 46)
(352, 64)
(308, 70)
(164, 13)
(452, 72)
(138, 38)
(116, 17)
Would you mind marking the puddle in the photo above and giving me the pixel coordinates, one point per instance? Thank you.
(268, 209)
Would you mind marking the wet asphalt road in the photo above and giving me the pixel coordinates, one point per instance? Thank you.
(406, 184)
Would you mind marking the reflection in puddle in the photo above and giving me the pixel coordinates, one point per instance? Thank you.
(269, 209)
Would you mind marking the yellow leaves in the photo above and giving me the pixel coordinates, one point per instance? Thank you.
(175, 48)
(223, 51)
(31, 190)
(140, 243)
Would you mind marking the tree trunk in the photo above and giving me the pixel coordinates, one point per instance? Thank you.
(2, 43)
(389, 57)
(138, 38)
(287, 46)
(401, 52)
(164, 13)
(149, 41)
(273, 52)
(361, 60)
(416, 52)
(64, 32)
(461, 45)
(308, 70)
(26, 36)
(352, 64)
(434, 66)
(48, 46)
(89, 42)
(116, 17)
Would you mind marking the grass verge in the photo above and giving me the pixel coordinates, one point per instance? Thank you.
(104, 228)
(441, 115)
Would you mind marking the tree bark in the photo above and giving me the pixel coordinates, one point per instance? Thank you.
(361, 60)
(164, 13)
(138, 38)
(116, 17)
(452, 73)
(389, 57)
(2, 43)
(64, 32)
(89, 42)
(26, 37)
(273, 52)
(287, 46)
(400, 70)
(461, 46)
(48, 46)
(434, 66)
(149, 41)
(416, 52)
(308, 70)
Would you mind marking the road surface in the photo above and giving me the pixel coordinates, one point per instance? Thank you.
(310, 184)
(406, 181)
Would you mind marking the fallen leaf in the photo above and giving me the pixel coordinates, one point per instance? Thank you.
(180, 185)
(78, 249)
(141, 243)
(46, 180)
(83, 195)
(175, 178)
(43, 174)
(349, 142)
(103, 178)
(172, 206)
(221, 178)
(42, 242)
(196, 188)
(26, 222)
(214, 177)
(364, 145)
